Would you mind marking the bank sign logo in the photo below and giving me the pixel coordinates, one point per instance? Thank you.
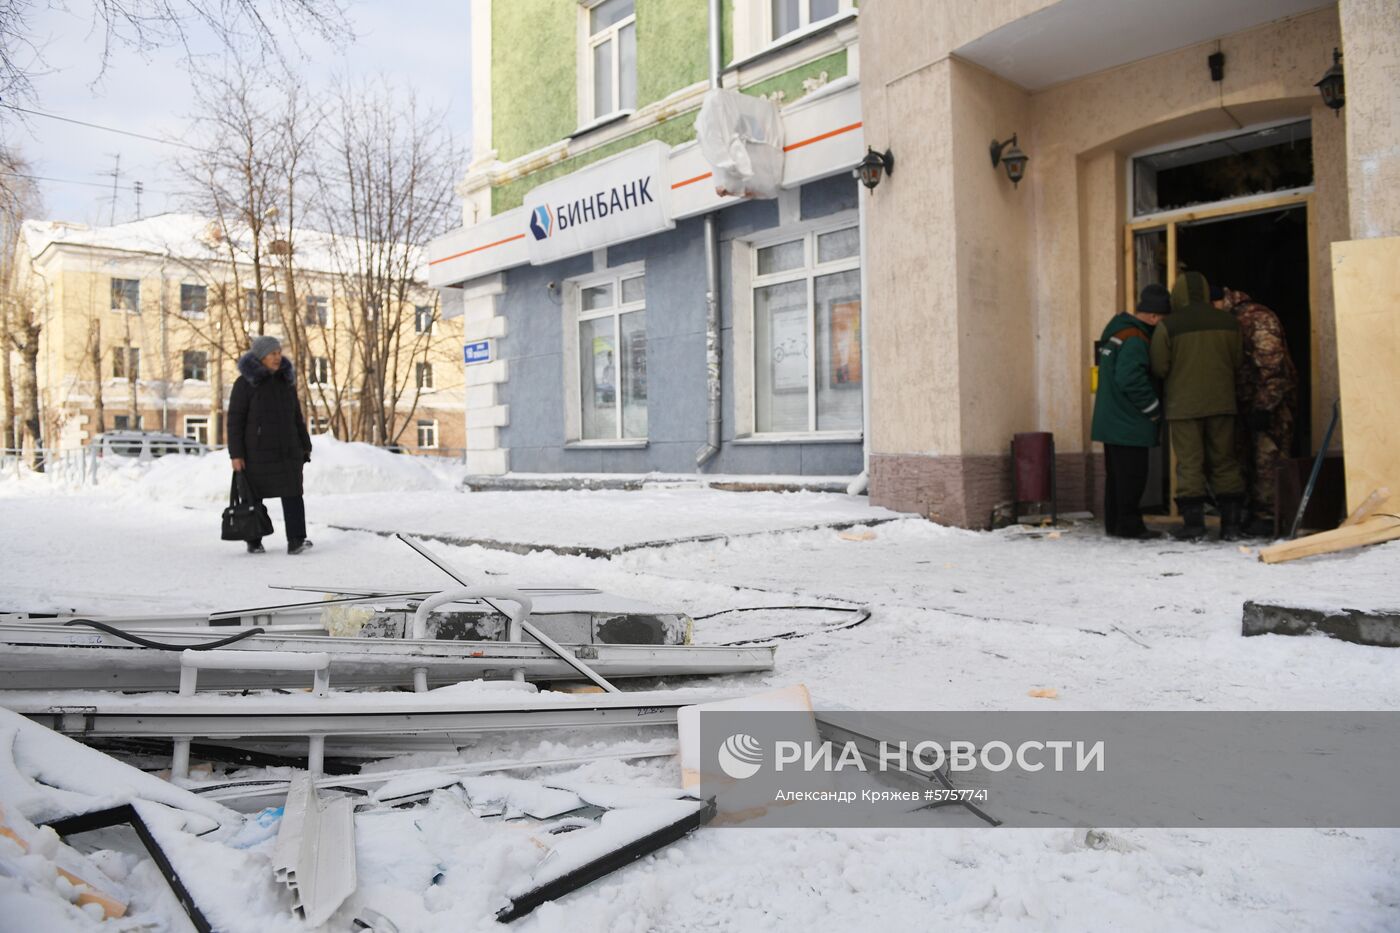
(611, 202)
(541, 223)
(740, 756)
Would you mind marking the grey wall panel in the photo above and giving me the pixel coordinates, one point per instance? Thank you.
(677, 402)
(830, 196)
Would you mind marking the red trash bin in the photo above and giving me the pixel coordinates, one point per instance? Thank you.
(1033, 471)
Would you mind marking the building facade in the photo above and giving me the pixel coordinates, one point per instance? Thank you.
(1160, 137)
(908, 332)
(599, 351)
(152, 316)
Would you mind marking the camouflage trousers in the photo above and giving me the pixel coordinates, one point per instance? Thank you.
(1260, 452)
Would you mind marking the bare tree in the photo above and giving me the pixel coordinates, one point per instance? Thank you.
(21, 306)
(250, 178)
(385, 189)
(144, 25)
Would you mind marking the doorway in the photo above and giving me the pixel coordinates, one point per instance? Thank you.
(1265, 255)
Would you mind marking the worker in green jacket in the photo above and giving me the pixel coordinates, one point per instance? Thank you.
(1128, 412)
(1197, 352)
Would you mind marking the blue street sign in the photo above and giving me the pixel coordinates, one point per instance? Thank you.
(478, 352)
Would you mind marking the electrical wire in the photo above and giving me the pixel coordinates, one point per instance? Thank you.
(862, 614)
(99, 126)
(165, 646)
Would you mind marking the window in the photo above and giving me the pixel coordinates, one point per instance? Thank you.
(427, 434)
(196, 365)
(424, 373)
(126, 363)
(610, 78)
(1275, 158)
(197, 428)
(123, 423)
(126, 295)
(317, 311)
(423, 319)
(320, 425)
(789, 16)
(320, 373)
(806, 333)
(194, 300)
(612, 344)
(272, 303)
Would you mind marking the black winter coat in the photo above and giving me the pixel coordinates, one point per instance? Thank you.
(266, 428)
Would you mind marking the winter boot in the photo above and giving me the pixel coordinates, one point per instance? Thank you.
(1231, 517)
(298, 547)
(1193, 514)
(255, 547)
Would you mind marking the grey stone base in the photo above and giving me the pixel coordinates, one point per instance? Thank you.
(1378, 628)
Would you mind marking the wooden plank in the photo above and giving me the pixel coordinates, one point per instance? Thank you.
(1374, 530)
(1368, 507)
(1366, 282)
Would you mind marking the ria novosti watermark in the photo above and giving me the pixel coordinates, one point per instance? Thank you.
(1197, 769)
(741, 756)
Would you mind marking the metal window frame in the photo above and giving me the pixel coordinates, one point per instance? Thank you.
(613, 277)
(810, 271)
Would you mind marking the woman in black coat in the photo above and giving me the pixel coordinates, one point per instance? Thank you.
(267, 436)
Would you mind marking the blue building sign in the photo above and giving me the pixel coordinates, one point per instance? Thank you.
(477, 352)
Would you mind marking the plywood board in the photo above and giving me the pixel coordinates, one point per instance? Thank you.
(1366, 283)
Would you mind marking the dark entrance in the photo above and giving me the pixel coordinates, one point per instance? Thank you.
(1265, 255)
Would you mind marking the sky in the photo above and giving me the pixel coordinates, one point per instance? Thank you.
(423, 44)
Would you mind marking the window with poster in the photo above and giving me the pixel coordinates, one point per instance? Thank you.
(610, 328)
(806, 332)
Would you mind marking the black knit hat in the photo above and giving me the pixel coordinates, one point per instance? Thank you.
(1155, 299)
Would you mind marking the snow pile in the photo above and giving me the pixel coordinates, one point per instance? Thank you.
(336, 467)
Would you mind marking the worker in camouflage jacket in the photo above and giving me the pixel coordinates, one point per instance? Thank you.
(1196, 351)
(1128, 412)
(1267, 393)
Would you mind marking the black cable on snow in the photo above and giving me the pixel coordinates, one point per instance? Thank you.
(862, 613)
(164, 646)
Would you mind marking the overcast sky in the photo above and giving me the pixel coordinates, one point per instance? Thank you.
(420, 43)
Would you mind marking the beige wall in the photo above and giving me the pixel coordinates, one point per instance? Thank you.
(984, 299)
(1371, 33)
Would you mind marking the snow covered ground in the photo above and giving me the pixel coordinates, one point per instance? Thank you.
(962, 620)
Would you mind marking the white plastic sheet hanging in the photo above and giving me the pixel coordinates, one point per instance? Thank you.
(742, 139)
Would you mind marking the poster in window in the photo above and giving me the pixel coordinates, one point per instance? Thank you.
(789, 335)
(845, 343)
(604, 371)
(636, 375)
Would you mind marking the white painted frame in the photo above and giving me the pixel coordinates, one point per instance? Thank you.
(197, 422)
(575, 316)
(428, 424)
(588, 41)
(753, 25)
(810, 271)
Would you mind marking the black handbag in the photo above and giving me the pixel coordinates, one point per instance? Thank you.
(246, 518)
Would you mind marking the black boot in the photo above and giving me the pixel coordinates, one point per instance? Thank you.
(1231, 517)
(1193, 514)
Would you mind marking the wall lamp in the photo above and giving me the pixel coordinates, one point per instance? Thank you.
(1333, 85)
(873, 166)
(1008, 153)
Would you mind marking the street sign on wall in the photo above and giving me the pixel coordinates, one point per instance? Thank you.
(619, 199)
(479, 351)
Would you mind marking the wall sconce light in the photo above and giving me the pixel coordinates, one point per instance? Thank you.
(1008, 153)
(873, 166)
(1333, 85)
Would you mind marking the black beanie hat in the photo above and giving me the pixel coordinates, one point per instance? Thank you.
(1155, 299)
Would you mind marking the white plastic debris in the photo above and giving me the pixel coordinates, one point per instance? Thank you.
(742, 139)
